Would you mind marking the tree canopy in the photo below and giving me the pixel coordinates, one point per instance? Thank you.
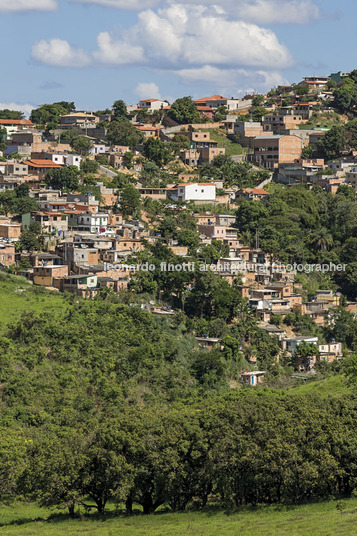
(66, 178)
(124, 133)
(184, 111)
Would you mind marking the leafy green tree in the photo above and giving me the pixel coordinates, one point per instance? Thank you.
(259, 112)
(343, 328)
(348, 281)
(29, 238)
(212, 297)
(11, 114)
(130, 201)
(17, 201)
(119, 110)
(107, 472)
(156, 150)
(89, 166)
(25, 204)
(302, 89)
(210, 253)
(208, 367)
(321, 239)
(184, 111)
(124, 133)
(179, 142)
(332, 144)
(12, 460)
(308, 152)
(128, 159)
(190, 239)
(56, 473)
(345, 96)
(66, 178)
(3, 135)
(347, 191)
(221, 113)
(232, 173)
(258, 100)
(143, 116)
(81, 145)
(50, 114)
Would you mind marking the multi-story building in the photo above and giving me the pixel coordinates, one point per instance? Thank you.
(271, 151)
(94, 223)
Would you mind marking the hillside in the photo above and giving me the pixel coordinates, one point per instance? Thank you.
(103, 403)
(18, 296)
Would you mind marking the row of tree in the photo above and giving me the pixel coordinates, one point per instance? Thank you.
(245, 448)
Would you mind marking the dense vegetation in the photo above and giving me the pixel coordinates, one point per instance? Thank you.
(101, 401)
(302, 226)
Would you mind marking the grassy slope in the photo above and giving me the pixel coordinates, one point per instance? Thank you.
(332, 386)
(18, 296)
(325, 120)
(309, 520)
(232, 148)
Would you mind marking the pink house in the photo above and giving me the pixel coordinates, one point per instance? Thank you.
(213, 231)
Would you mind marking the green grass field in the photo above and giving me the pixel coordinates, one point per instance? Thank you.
(335, 386)
(232, 148)
(322, 519)
(17, 296)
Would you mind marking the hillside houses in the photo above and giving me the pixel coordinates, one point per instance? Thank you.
(89, 232)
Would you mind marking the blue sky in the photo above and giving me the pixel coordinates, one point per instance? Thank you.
(96, 51)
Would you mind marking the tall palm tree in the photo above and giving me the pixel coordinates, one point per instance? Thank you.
(321, 239)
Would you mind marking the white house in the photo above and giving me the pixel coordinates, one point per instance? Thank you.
(73, 160)
(292, 343)
(331, 351)
(15, 125)
(152, 104)
(63, 159)
(99, 148)
(204, 191)
(94, 223)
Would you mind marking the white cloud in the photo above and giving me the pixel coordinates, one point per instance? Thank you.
(232, 81)
(24, 108)
(117, 52)
(207, 73)
(196, 42)
(59, 53)
(136, 5)
(9, 6)
(263, 11)
(179, 35)
(281, 11)
(258, 11)
(146, 90)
